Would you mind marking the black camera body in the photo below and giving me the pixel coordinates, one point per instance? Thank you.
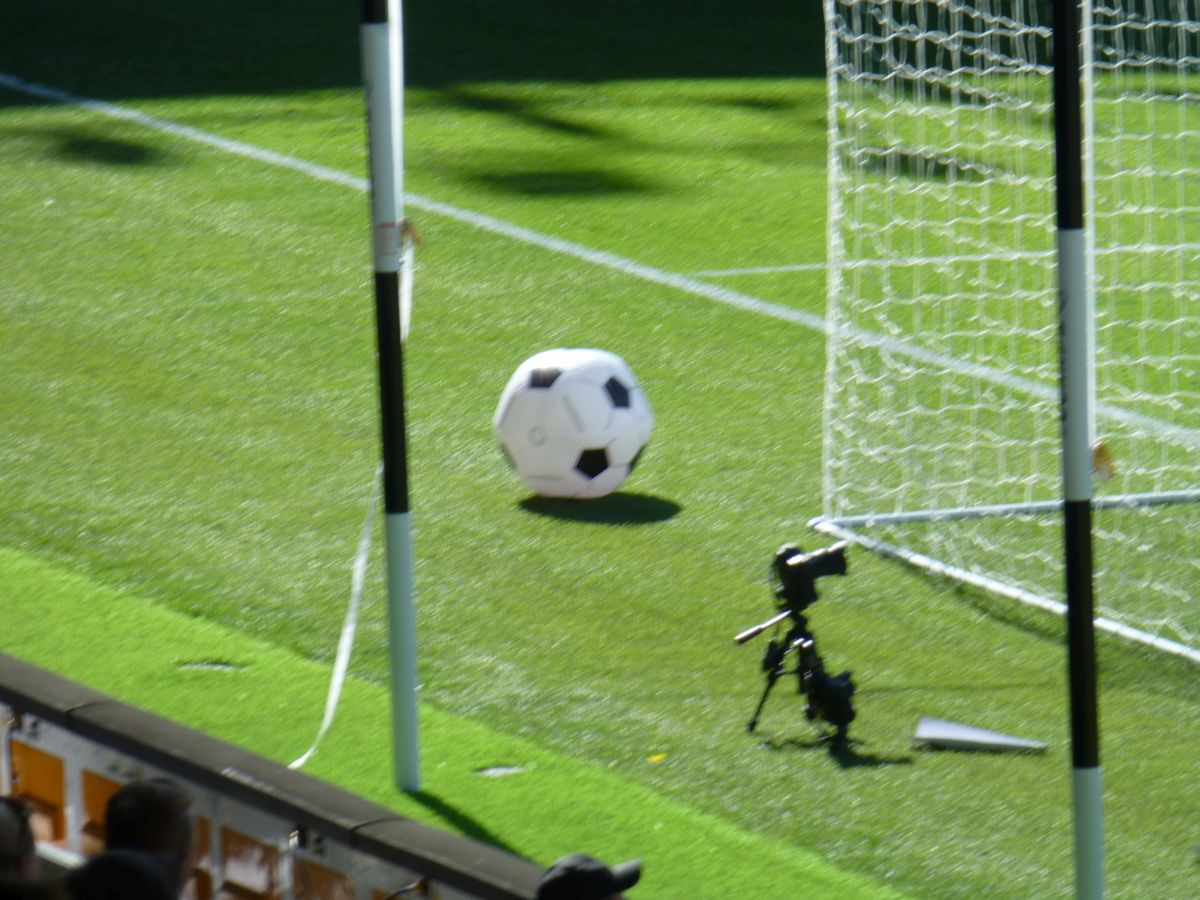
(794, 573)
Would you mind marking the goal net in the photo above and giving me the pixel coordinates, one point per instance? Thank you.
(942, 441)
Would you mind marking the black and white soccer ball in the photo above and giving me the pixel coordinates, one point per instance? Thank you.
(573, 422)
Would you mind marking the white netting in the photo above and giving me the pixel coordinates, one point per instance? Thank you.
(942, 390)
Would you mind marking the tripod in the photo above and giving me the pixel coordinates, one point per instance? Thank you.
(829, 696)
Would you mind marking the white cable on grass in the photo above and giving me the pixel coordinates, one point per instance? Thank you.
(349, 626)
(406, 288)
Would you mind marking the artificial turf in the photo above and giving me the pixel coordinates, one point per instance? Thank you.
(189, 387)
(263, 697)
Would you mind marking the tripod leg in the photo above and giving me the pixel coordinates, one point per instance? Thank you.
(772, 677)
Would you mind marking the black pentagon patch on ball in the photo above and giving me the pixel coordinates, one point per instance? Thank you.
(618, 393)
(543, 378)
(592, 462)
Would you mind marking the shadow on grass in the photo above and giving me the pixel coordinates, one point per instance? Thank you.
(982, 751)
(460, 821)
(841, 752)
(522, 109)
(244, 49)
(615, 509)
(90, 147)
(561, 182)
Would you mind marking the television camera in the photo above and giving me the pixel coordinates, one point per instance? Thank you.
(794, 576)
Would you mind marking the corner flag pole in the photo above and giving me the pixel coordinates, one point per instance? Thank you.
(382, 72)
(1075, 365)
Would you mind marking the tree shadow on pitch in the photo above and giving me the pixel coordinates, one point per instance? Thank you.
(244, 49)
(619, 508)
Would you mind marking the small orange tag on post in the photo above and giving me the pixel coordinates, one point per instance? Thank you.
(1104, 465)
(408, 234)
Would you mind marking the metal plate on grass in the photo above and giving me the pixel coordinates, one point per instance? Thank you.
(955, 736)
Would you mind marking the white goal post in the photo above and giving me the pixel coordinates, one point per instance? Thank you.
(942, 432)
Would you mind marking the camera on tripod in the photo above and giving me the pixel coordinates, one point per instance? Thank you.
(794, 573)
(794, 576)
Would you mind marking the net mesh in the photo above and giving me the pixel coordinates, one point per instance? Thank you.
(942, 400)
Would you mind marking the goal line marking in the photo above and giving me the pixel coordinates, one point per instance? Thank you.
(994, 586)
(684, 283)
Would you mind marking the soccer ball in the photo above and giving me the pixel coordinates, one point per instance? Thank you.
(573, 422)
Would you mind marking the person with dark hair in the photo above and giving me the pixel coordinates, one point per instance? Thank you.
(580, 877)
(154, 815)
(123, 875)
(14, 888)
(18, 856)
(18, 849)
(149, 846)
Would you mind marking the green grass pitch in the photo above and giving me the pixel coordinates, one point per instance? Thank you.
(190, 433)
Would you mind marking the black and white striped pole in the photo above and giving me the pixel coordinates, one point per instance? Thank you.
(382, 73)
(1075, 341)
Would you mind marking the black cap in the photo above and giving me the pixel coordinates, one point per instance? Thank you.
(579, 877)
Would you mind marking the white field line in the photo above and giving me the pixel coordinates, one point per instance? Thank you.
(762, 270)
(683, 283)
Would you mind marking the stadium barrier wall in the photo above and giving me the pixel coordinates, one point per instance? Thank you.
(264, 831)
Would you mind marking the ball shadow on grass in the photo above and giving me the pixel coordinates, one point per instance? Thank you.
(619, 508)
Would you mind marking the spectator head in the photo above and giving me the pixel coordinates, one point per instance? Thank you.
(579, 877)
(123, 875)
(18, 857)
(153, 816)
(13, 887)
